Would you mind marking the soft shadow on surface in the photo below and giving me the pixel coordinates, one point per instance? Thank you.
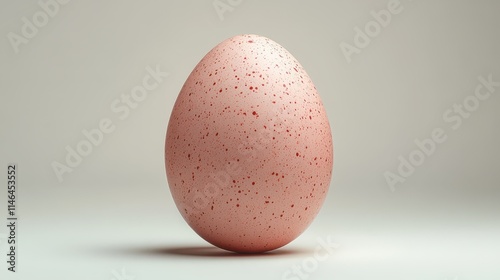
(197, 251)
(210, 251)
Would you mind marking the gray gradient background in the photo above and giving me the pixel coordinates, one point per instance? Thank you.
(115, 211)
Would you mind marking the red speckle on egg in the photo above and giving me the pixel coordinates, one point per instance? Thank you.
(237, 156)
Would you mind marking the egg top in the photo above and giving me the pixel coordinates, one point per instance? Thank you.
(248, 151)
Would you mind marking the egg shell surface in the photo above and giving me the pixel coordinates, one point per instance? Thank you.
(248, 150)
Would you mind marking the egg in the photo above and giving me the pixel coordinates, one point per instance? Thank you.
(248, 149)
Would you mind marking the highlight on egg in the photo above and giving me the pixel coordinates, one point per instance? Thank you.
(248, 150)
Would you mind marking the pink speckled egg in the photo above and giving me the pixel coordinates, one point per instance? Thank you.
(248, 151)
